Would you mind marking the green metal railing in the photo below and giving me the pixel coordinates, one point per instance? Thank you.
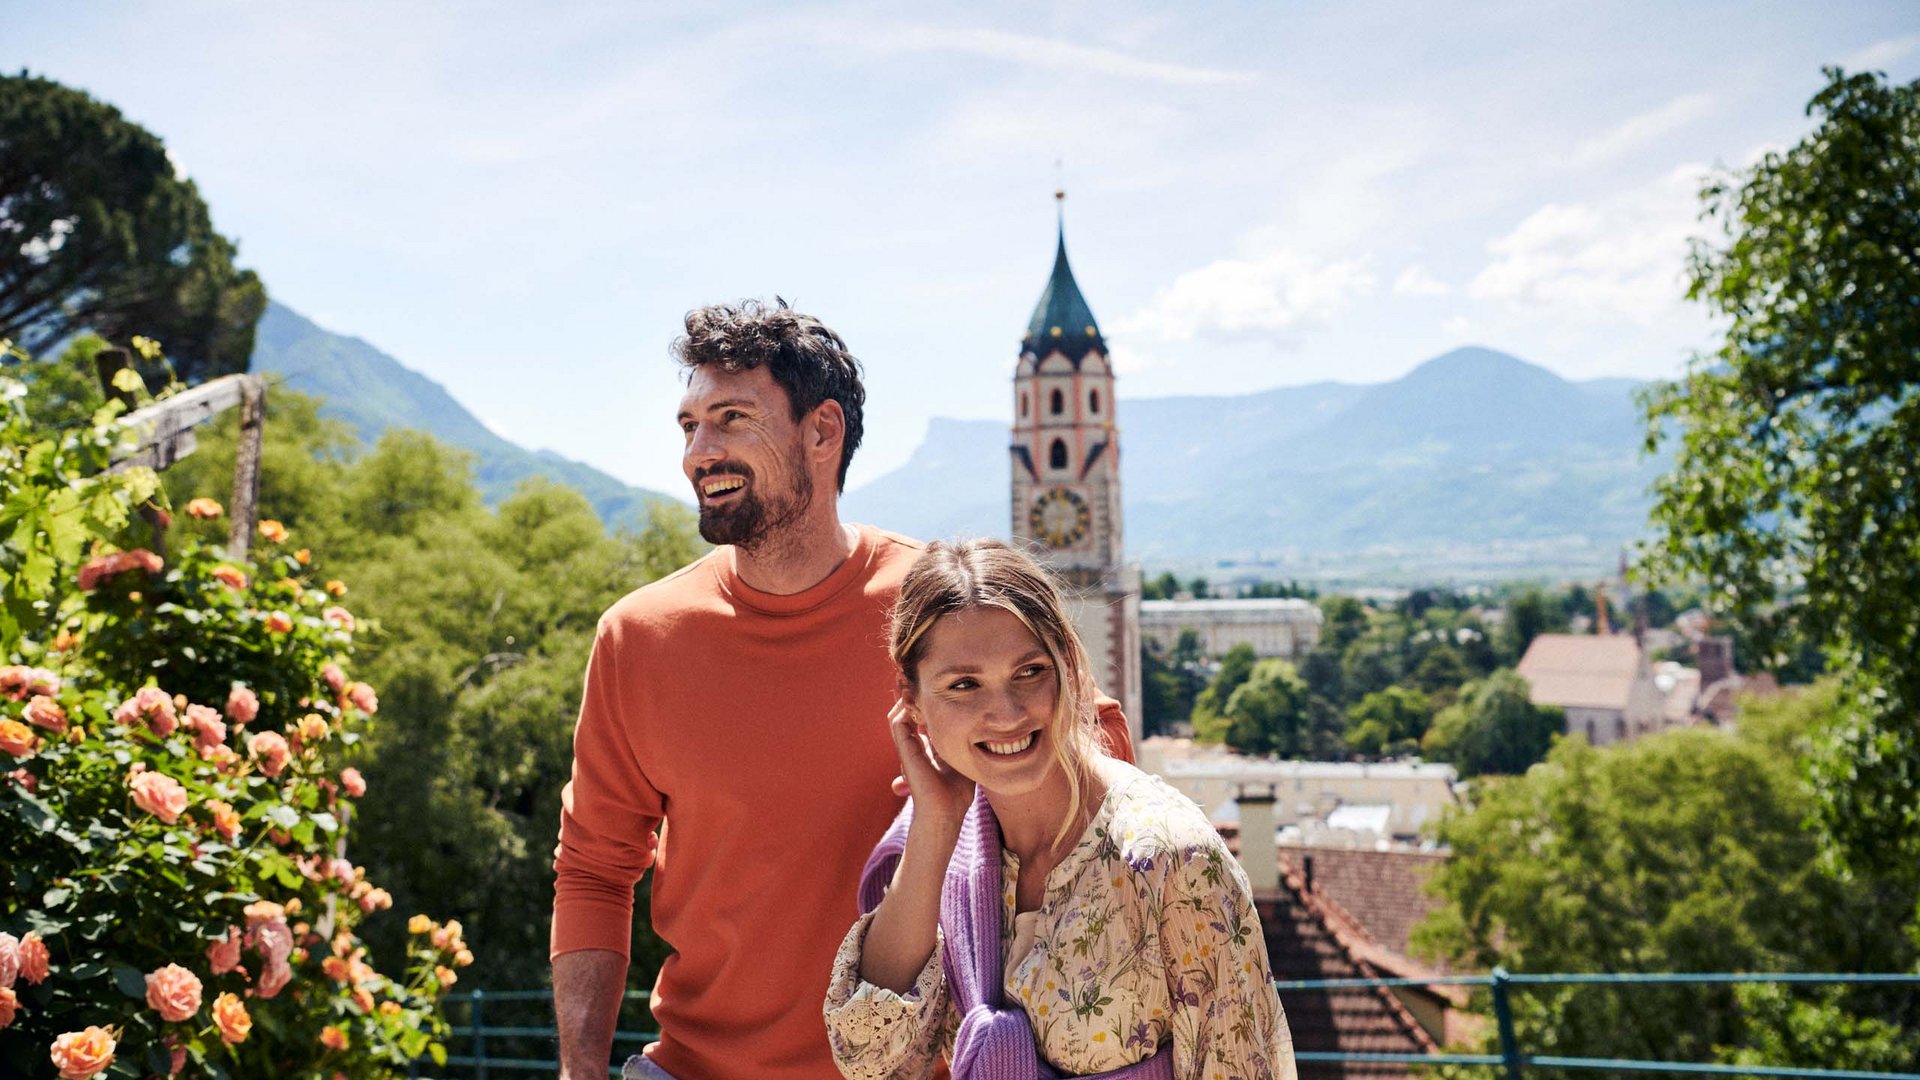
(1512, 1060)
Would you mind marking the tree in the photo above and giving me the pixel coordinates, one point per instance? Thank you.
(99, 233)
(1679, 852)
(1793, 487)
(1209, 722)
(1388, 721)
(1343, 618)
(1530, 613)
(1272, 713)
(1494, 728)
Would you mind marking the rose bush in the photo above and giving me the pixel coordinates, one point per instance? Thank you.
(175, 892)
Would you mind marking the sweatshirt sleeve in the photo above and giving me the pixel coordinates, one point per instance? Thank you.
(1111, 721)
(610, 813)
(877, 1034)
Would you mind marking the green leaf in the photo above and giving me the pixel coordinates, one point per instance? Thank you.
(129, 980)
(326, 821)
(283, 815)
(56, 896)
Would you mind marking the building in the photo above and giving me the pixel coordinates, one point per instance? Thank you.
(1065, 451)
(1284, 628)
(1601, 680)
(1333, 803)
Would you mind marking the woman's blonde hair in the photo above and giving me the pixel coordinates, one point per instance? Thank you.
(969, 574)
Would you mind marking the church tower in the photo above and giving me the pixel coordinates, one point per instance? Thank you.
(1066, 477)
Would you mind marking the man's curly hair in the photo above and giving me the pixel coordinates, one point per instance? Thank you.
(804, 356)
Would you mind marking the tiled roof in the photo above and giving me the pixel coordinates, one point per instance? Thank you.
(1310, 937)
(1593, 671)
(1382, 890)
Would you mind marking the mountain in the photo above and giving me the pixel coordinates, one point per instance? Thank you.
(1475, 449)
(372, 392)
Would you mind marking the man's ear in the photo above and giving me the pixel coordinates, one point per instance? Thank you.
(827, 432)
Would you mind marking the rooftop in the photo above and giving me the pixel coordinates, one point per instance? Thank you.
(1062, 322)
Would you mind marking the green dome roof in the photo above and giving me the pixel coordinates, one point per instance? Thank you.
(1062, 320)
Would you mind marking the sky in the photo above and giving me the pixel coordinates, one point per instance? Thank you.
(522, 200)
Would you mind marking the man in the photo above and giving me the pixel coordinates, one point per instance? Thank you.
(739, 707)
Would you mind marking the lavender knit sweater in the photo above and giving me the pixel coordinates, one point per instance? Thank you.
(995, 1041)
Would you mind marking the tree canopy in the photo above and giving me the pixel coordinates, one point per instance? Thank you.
(98, 232)
(1794, 492)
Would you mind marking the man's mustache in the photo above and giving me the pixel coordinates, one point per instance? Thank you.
(725, 468)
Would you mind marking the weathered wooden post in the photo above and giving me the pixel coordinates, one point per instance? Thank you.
(107, 364)
(246, 466)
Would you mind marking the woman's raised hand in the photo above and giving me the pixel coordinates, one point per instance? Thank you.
(939, 793)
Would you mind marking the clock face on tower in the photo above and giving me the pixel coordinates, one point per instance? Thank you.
(1059, 518)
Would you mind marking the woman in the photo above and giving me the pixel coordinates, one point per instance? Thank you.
(1090, 912)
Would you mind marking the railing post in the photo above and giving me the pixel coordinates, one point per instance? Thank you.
(1503, 1016)
(479, 1034)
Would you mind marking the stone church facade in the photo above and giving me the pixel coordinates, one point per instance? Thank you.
(1065, 451)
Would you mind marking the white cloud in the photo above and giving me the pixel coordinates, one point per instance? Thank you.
(1882, 54)
(1637, 131)
(1050, 53)
(1618, 258)
(1262, 295)
(1415, 281)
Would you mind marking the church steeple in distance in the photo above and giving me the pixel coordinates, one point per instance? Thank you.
(1062, 320)
(1066, 474)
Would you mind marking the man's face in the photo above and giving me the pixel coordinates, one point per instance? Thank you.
(744, 455)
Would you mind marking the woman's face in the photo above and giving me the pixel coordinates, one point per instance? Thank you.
(985, 691)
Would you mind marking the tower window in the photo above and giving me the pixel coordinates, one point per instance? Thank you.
(1059, 402)
(1023, 404)
(1093, 400)
(1057, 457)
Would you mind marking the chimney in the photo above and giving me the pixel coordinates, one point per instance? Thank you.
(1258, 856)
(1714, 656)
(1601, 625)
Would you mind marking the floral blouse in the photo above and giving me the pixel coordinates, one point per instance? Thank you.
(1146, 939)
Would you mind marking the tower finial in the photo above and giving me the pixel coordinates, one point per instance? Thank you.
(1059, 196)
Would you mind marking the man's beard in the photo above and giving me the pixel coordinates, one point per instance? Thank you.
(752, 521)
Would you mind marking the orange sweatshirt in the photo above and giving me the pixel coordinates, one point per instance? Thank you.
(754, 725)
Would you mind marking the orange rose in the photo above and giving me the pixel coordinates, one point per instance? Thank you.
(336, 587)
(363, 999)
(17, 738)
(334, 1037)
(273, 531)
(353, 782)
(82, 1055)
(303, 556)
(204, 509)
(230, 1016)
(226, 820)
(230, 576)
(173, 992)
(445, 975)
(34, 960)
(390, 1008)
(9, 1004)
(419, 924)
(279, 622)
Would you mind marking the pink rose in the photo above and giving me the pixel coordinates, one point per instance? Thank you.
(242, 706)
(174, 993)
(19, 776)
(375, 900)
(160, 795)
(341, 870)
(119, 562)
(208, 728)
(270, 750)
(9, 1004)
(9, 959)
(274, 977)
(224, 955)
(82, 1055)
(363, 698)
(34, 959)
(176, 1055)
(152, 705)
(353, 782)
(335, 678)
(336, 615)
(45, 712)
